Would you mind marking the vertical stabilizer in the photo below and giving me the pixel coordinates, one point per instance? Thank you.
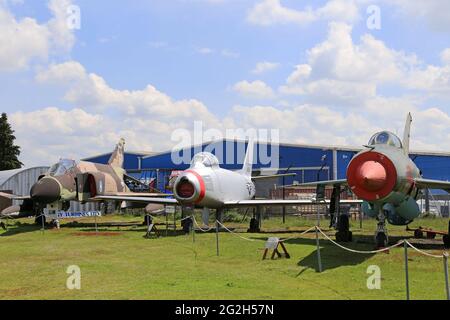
(407, 133)
(117, 156)
(247, 168)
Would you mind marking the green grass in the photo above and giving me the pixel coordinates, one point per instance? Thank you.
(127, 266)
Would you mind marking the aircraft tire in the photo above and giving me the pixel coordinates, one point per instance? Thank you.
(38, 220)
(418, 234)
(344, 236)
(446, 239)
(381, 240)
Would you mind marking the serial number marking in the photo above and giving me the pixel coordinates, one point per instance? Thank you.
(238, 309)
(232, 309)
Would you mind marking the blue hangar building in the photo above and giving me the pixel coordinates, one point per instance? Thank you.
(309, 162)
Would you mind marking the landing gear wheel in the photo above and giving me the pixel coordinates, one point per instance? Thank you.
(344, 236)
(446, 240)
(418, 234)
(40, 220)
(147, 220)
(3, 225)
(381, 240)
(254, 226)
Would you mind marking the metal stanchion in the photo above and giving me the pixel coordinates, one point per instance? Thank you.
(217, 237)
(43, 223)
(193, 230)
(167, 224)
(318, 213)
(319, 259)
(447, 288)
(405, 245)
(361, 213)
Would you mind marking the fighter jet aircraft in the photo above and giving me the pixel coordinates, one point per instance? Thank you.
(206, 185)
(387, 180)
(69, 180)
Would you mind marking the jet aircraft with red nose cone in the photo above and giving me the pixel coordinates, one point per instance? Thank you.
(206, 185)
(387, 180)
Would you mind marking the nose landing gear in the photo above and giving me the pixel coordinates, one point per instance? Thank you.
(446, 238)
(381, 236)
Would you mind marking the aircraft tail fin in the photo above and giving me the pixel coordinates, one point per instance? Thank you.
(247, 168)
(117, 156)
(407, 133)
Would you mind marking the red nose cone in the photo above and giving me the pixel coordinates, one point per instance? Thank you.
(371, 176)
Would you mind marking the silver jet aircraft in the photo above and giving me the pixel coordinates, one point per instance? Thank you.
(206, 185)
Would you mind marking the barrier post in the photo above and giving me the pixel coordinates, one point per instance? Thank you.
(405, 245)
(217, 237)
(319, 259)
(193, 229)
(447, 288)
(95, 220)
(167, 223)
(361, 213)
(43, 223)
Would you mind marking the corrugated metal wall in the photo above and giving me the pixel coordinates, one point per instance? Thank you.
(20, 182)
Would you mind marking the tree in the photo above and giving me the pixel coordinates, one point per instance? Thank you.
(9, 152)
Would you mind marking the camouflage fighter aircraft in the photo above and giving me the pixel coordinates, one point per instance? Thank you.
(70, 180)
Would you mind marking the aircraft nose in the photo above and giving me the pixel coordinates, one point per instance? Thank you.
(190, 187)
(45, 191)
(372, 176)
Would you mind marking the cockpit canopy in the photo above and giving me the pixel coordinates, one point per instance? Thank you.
(62, 167)
(386, 138)
(205, 159)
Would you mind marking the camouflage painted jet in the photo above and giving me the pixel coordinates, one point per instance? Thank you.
(81, 181)
(206, 185)
(388, 182)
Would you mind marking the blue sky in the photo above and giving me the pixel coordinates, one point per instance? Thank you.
(200, 56)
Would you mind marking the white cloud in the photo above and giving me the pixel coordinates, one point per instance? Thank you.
(205, 50)
(271, 12)
(265, 66)
(89, 89)
(341, 72)
(445, 56)
(23, 41)
(229, 54)
(256, 89)
(436, 13)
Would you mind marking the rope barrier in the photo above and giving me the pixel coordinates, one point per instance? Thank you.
(304, 232)
(423, 252)
(358, 251)
(200, 228)
(234, 233)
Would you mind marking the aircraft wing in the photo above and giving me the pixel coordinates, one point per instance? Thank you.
(274, 176)
(139, 194)
(13, 197)
(432, 184)
(316, 183)
(138, 199)
(269, 202)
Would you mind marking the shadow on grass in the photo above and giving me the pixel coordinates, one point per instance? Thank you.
(19, 228)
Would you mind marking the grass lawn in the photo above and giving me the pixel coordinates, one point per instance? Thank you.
(124, 265)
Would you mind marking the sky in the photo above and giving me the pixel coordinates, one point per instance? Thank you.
(76, 75)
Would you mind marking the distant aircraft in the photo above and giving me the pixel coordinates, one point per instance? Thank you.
(387, 180)
(206, 185)
(69, 180)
